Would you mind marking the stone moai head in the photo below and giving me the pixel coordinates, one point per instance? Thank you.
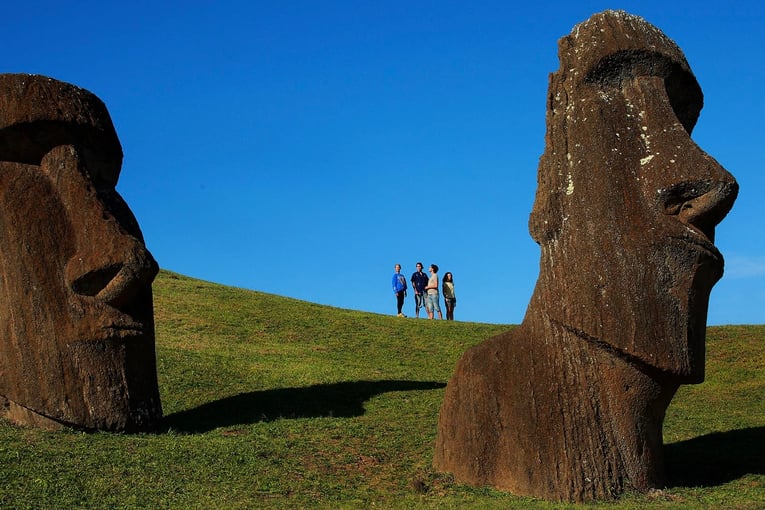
(627, 203)
(76, 315)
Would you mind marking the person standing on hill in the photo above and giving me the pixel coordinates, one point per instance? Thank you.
(431, 304)
(399, 289)
(419, 282)
(450, 299)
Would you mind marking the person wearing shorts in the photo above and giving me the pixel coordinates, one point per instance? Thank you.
(432, 298)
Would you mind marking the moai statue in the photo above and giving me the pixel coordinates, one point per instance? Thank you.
(76, 315)
(569, 406)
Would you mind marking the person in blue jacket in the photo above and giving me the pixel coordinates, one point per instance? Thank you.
(399, 288)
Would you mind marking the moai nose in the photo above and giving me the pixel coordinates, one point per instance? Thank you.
(116, 283)
(701, 205)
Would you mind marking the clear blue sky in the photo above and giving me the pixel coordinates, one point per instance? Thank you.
(302, 148)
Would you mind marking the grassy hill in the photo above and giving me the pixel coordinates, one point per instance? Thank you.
(272, 402)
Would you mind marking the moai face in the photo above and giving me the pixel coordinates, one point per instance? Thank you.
(627, 203)
(76, 315)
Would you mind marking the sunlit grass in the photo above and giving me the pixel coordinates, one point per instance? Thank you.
(277, 403)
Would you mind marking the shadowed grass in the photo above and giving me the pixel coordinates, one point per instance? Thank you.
(272, 402)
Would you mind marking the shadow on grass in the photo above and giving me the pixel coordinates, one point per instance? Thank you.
(715, 459)
(345, 399)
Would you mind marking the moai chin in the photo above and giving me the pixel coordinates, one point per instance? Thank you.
(76, 315)
(569, 406)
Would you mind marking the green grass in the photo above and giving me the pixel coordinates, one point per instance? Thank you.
(272, 402)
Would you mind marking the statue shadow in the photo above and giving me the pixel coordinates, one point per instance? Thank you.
(344, 400)
(715, 459)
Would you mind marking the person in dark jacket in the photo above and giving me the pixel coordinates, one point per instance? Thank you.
(419, 282)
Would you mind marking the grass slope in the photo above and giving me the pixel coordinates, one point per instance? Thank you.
(278, 403)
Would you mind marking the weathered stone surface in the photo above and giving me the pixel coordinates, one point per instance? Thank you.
(570, 405)
(76, 315)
